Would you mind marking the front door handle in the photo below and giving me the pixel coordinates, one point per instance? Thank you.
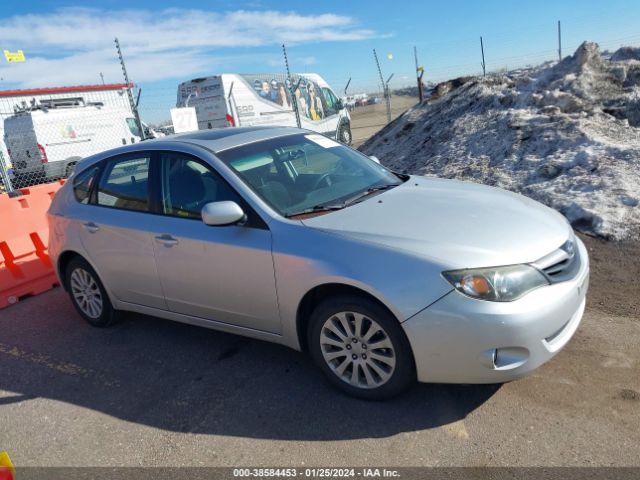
(91, 227)
(167, 240)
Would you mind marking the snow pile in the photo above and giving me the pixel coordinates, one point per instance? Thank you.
(566, 134)
(626, 53)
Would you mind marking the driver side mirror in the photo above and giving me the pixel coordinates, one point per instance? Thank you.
(339, 105)
(374, 158)
(218, 214)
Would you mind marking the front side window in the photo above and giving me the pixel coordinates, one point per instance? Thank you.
(305, 172)
(133, 126)
(188, 185)
(82, 184)
(125, 183)
(331, 101)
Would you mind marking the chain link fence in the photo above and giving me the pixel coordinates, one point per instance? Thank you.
(45, 132)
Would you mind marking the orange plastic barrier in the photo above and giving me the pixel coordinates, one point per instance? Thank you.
(25, 267)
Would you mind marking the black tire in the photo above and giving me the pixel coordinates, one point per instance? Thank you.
(344, 134)
(70, 166)
(402, 375)
(68, 170)
(107, 315)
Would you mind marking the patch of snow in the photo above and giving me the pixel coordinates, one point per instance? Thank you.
(564, 133)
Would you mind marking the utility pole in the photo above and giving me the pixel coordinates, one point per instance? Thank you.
(559, 42)
(385, 87)
(102, 77)
(294, 100)
(132, 103)
(484, 66)
(419, 74)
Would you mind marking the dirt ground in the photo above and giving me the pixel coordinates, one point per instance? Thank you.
(615, 266)
(366, 121)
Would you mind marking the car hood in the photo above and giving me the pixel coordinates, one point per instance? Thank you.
(453, 223)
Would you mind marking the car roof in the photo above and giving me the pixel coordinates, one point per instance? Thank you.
(219, 139)
(215, 140)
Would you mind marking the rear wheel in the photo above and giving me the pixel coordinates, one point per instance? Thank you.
(361, 348)
(70, 166)
(88, 294)
(68, 170)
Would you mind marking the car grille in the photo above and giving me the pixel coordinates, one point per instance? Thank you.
(560, 267)
(561, 264)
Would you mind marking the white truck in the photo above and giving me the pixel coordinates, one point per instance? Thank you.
(230, 100)
(45, 142)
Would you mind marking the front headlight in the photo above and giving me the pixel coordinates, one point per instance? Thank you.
(498, 284)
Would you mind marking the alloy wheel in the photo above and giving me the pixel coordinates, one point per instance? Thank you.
(86, 293)
(357, 350)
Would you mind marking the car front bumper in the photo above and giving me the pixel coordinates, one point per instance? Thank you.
(463, 340)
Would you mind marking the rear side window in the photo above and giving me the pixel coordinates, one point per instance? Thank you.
(82, 184)
(125, 184)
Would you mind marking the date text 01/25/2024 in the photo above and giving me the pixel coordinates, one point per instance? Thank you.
(314, 473)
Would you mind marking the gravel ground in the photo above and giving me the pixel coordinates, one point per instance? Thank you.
(155, 393)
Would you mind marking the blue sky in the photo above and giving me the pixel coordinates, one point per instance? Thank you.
(167, 42)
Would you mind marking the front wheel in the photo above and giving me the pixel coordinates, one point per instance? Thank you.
(344, 134)
(361, 348)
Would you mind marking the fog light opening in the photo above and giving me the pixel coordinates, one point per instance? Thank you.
(488, 358)
(508, 358)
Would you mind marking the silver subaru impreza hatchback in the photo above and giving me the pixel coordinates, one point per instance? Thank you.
(284, 235)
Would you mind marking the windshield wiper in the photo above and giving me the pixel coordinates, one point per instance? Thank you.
(346, 203)
(368, 192)
(316, 209)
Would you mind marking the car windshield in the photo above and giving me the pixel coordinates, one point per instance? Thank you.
(306, 173)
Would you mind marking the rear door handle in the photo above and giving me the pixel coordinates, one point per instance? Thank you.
(91, 227)
(167, 240)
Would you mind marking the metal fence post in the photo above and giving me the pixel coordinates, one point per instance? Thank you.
(294, 101)
(5, 175)
(134, 105)
(484, 65)
(419, 73)
(559, 42)
(385, 87)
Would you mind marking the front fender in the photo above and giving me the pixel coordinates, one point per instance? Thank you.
(305, 258)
